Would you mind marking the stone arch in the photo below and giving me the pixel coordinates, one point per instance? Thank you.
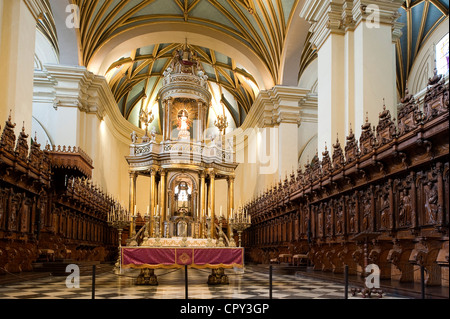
(121, 43)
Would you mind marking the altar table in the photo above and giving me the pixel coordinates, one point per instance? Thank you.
(154, 258)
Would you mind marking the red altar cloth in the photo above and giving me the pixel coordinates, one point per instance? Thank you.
(153, 258)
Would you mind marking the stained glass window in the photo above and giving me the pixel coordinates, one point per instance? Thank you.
(442, 56)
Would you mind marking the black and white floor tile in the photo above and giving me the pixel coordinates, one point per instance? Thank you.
(253, 283)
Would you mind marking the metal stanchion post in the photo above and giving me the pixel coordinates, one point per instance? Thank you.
(270, 281)
(422, 280)
(346, 281)
(186, 281)
(93, 281)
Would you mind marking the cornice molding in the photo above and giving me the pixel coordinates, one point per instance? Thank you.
(329, 17)
(69, 86)
(276, 106)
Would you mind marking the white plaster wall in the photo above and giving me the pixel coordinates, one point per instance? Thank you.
(17, 63)
(307, 143)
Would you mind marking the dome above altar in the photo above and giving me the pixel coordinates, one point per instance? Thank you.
(136, 79)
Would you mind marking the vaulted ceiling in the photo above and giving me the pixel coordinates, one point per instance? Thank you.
(136, 79)
(420, 19)
(259, 25)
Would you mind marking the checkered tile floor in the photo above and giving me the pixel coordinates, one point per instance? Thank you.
(253, 283)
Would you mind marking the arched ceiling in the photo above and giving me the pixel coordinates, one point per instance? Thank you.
(259, 24)
(259, 27)
(420, 19)
(135, 80)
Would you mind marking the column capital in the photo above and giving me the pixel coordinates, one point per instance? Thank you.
(339, 16)
(132, 174)
(281, 105)
(397, 31)
(325, 17)
(387, 10)
(153, 170)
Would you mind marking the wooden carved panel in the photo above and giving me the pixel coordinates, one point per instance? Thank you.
(339, 216)
(351, 148)
(386, 130)
(352, 209)
(338, 156)
(436, 99)
(367, 141)
(366, 210)
(408, 114)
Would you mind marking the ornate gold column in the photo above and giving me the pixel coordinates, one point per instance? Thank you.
(202, 203)
(200, 124)
(132, 201)
(162, 199)
(153, 191)
(230, 181)
(167, 119)
(212, 182)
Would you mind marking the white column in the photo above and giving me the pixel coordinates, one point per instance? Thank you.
(17, 47)
(328, 30)
(356, 66)
(349, 67)
(281, 120)
(374, 61)
(331, 91)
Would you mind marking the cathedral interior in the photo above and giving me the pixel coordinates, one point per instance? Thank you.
(312, 136)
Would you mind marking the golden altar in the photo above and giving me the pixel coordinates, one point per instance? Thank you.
(183, 166)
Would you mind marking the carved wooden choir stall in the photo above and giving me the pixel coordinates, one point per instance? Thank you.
(392, 189)
(49, 208)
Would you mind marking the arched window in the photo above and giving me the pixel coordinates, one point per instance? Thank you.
(442, 56)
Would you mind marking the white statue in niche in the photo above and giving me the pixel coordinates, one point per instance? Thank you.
(183, 125)
(153, 135)
(134, 137)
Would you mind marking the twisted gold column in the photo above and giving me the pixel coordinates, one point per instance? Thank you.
(212, 182)
(230, 202)
(132, 202)
(153, 194)
(162, 200)
(202, 203)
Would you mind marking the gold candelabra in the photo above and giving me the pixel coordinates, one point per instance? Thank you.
(119, 219)
(221, 123)
(146, 117)
(240, 222)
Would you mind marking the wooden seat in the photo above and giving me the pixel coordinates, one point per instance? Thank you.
(300, 259)
(48, 254)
